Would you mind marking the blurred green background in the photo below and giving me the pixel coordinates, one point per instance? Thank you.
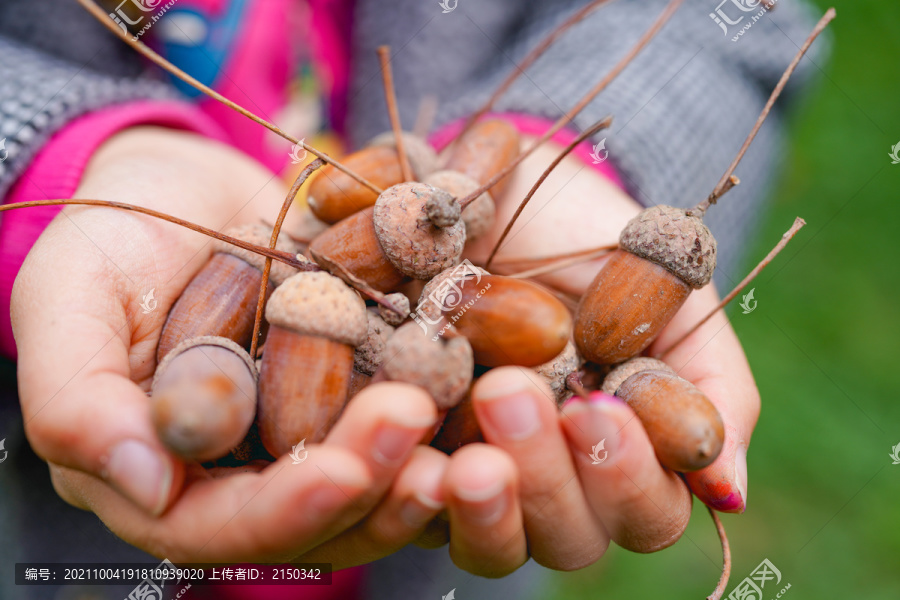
(824, 497)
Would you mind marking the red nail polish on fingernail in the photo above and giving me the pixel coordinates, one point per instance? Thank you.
(602, 397)
(731, 501)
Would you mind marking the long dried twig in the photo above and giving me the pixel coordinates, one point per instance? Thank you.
(785, 238)
(723, 185)
(285, 257)
(726, 557)
(542, 260)
(565, 263)
(602, 124)
(276, 230)
(390, 97)
(98, 13)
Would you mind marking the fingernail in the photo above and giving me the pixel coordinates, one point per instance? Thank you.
(513, 417)
(603, 397)
(393, 442)
(485, 505)
(740, 474)
(419, 510)
(140, 473)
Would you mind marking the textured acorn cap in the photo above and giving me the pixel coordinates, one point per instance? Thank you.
(261, 235)
(432, 298)
(670, 238)
(410, 240)
(479, 215)
(443, 367)
(422, 157)
(316, 303)
(617, 376)
(557, 370)
(206, 340)
(390, 317)
(368, 357)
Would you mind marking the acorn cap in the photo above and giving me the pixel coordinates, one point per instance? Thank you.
(261, 235)
(557, 370)
(206, 340)
(674, 240)
(390, 317)
(431, 301)
(479, 215)
(316, 303)
(410, 240)
(370, 354)
(422, 157)
(617, 376)
(443, 367)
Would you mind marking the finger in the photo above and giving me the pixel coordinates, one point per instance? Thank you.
(270, 516)
(383, 424)
(517, 413)
(415, 498)
(643, 506)
(713, 360)
(487, 536)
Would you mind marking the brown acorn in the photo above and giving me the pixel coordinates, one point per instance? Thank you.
(315, 322)
(556, 371)
(507, 321)
(333, 195)
(397, 238)
(484, 151)
(203, 397)
(479, 215)
(459, 427)
(664, 254)
(684, 427)
(221, 298)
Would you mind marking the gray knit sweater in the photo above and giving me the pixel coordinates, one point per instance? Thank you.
(681, 111)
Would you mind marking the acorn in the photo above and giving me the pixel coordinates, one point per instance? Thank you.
(221, 298)
(396, 239)
(459, 427)
(315, 322)
(369, 355)
(483, 151)
(556, 371)
(684, 427)
(507, 321)
(480, 214)
(203, 398)
(664, 254)
(333, 195)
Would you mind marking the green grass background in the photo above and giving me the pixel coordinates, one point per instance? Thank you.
(824, 498)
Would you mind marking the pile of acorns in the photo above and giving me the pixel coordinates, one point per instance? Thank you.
(321, 343)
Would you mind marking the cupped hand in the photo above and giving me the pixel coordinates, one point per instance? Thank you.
(572, 505)
(87, 355)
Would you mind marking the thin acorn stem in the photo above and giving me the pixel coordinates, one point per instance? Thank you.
(567, 118)
(285, 257)
(785, 238)
(390, 97)
(161, 62)
(529, 60)
(726, 557)
(276, 230)
(574, 384)
(602, 124)
(723, 185)
(541, 261)
(565, 263)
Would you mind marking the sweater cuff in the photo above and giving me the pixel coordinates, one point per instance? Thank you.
(537, 126)
(56, 172)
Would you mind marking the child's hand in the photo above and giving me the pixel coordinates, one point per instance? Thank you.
(86, 357)
(571, 507)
